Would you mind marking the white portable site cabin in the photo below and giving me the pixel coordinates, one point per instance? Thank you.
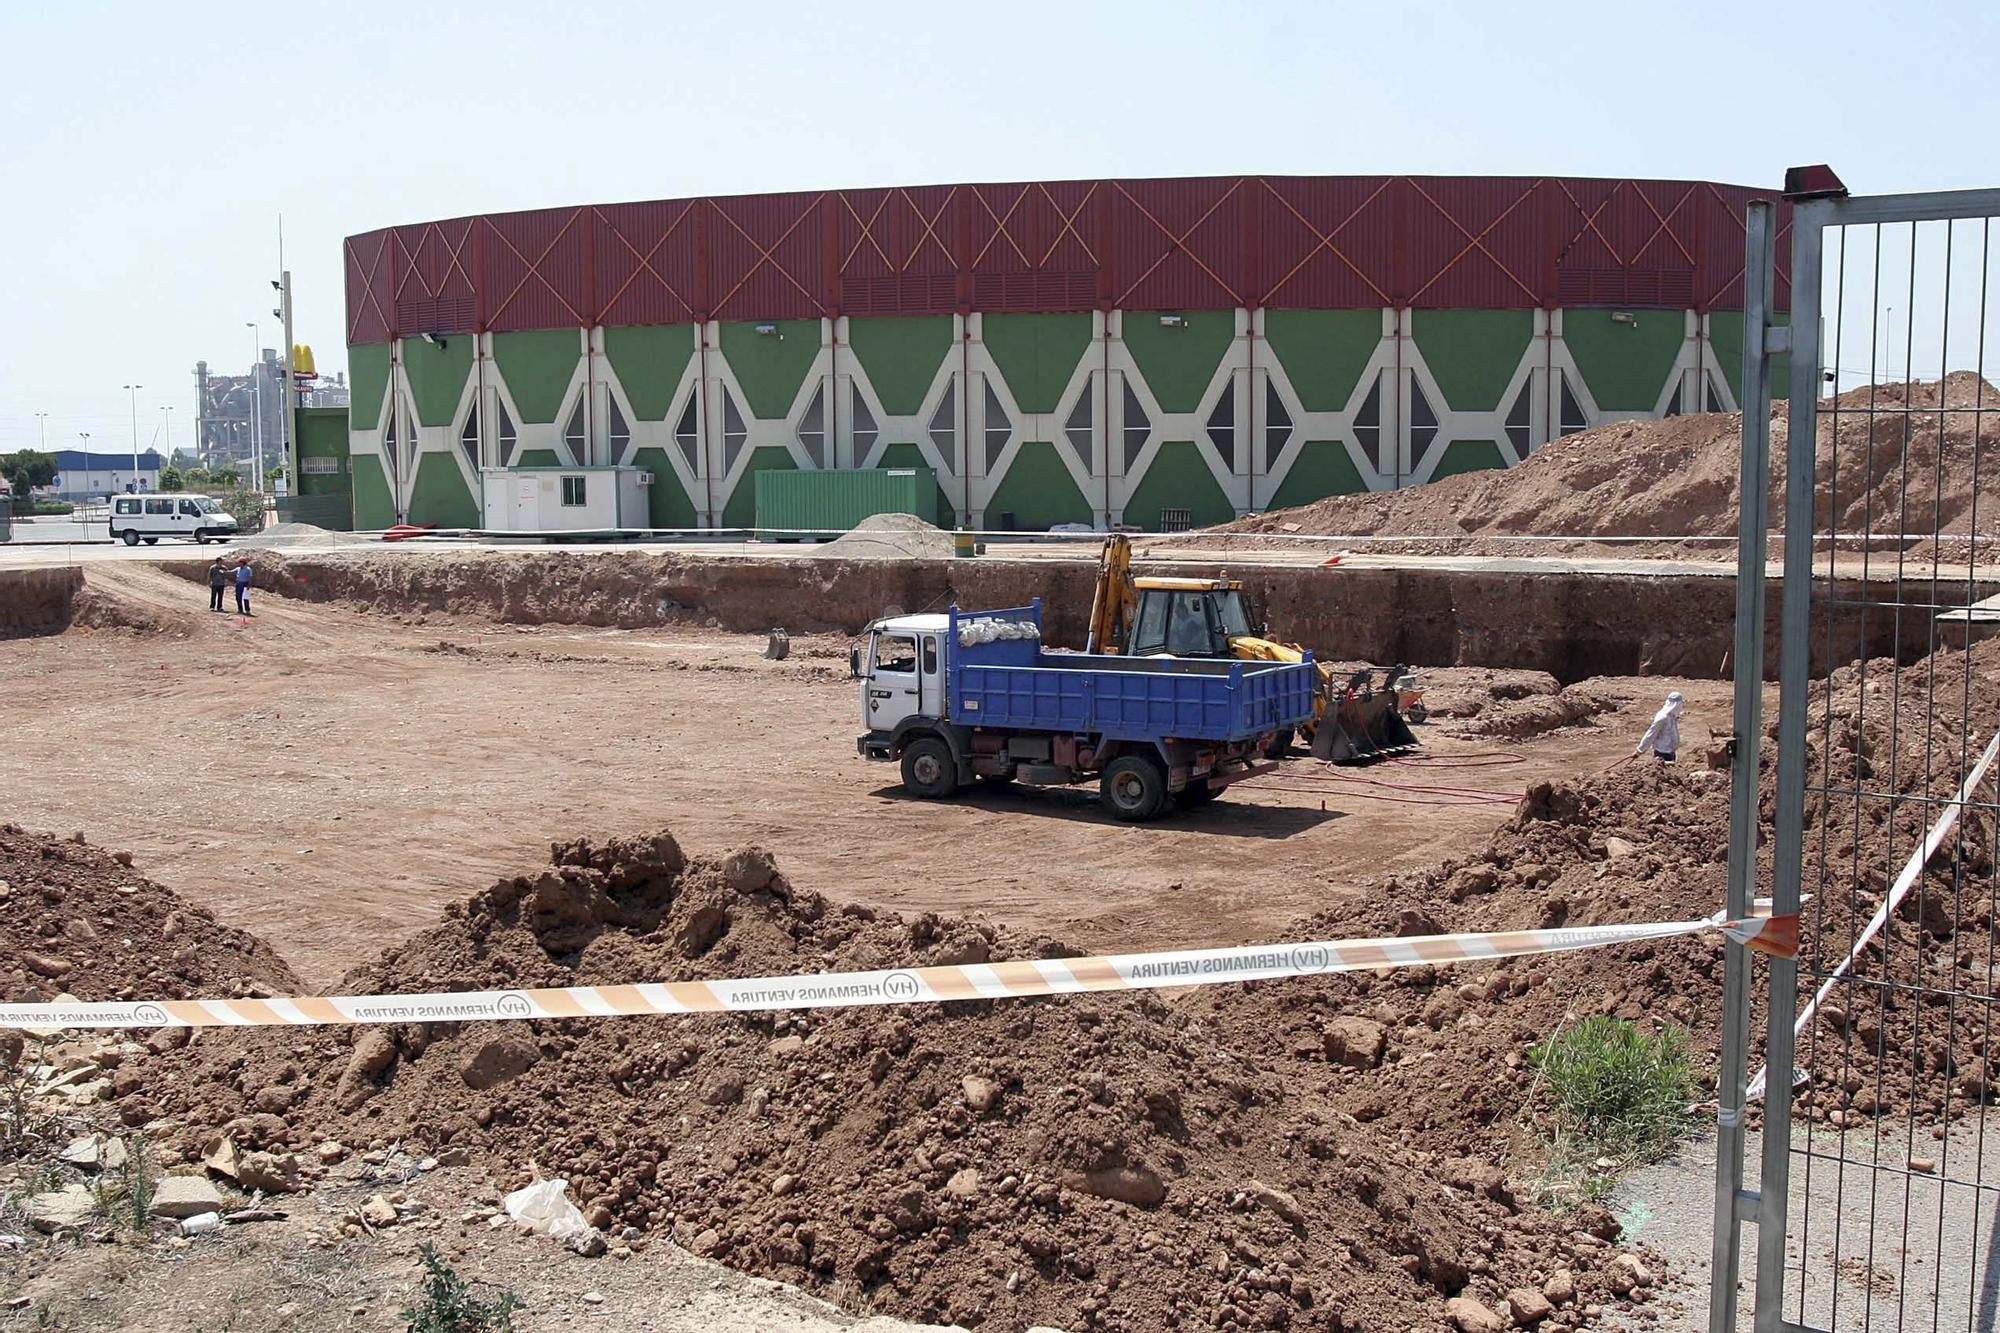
(566, 499)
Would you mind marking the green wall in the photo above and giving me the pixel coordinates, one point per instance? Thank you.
(1323, 352)
(770, 367)
(1725, 341)
(1322, 468)
(1178, 479)
(667, 501)
(649, 362)
(439, 495)
(367, 377)
(900, 357)
(538, 367)
(1036, 354)
(437, 377)
(1468, 456)
(1038, 491)
(909, 455)
(1625, 365)
(373, 509)
(1472, 354)
(321, 432)
(740, 511)
(1178, 361)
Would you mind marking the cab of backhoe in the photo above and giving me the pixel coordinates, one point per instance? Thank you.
(1187, 617)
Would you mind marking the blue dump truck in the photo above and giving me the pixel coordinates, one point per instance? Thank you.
(962, 697)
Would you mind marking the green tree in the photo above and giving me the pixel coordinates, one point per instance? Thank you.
(173, 479)
(28, 469)
(222, 476)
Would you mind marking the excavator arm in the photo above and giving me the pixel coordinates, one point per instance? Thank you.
(1351, 719)
(1115, 599)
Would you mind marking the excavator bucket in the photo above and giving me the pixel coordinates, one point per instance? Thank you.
(1360, 726)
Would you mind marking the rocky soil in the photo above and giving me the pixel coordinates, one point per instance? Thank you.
(1105, 1161)
(1647, 842)
(76, 919)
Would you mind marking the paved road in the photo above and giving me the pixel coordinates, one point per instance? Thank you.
(60, 528)
(1871, 1245)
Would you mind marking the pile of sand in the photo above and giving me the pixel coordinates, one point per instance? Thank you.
(889, 537)
(306, 537)
(1105, 1161)
(1885, 464)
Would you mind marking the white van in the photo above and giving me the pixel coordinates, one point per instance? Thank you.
(147, 518)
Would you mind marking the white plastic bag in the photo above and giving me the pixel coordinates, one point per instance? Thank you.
(544, 1208)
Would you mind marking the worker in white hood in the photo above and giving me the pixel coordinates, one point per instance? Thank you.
(1663, 738)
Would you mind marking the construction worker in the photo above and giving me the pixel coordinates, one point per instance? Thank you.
(1663, 737)
(218, 578)
(243, 577)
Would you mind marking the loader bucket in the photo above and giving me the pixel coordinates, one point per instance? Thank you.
(1362, 727)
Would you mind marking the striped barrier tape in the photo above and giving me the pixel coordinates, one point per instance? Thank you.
(1013, 979)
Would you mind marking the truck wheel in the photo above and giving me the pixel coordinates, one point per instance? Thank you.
(929, 771)
(1133, 788)
(131, 537)
(1280, 743)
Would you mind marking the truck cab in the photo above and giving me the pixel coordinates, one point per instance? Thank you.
(901, 671)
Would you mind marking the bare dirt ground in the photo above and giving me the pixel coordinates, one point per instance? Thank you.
(299, 1274)
(329, 779)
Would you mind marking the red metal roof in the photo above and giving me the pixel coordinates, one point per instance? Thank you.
(1439, 242)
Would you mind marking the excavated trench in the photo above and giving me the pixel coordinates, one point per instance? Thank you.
(38, 601)
(1571, 624)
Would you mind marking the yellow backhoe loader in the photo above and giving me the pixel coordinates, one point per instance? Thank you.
(1353, 720)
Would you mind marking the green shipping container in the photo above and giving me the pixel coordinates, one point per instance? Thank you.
(797, 505)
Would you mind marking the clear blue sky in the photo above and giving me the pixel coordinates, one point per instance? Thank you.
(148, 150)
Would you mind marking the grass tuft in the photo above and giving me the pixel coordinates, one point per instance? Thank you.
(447, 1304)
(1617, 1097)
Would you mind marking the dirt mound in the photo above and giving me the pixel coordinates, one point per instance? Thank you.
(1538, 714)
(1102, 1161)
(77, 919)
(889, 537)
(1679, 477)
(1650, 843)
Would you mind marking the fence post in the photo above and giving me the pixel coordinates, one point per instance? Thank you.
(1747, 729)
(1788, 822)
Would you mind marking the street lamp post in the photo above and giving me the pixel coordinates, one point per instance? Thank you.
(133, 389)
(256, 406)
(167, 434)
(42, 420)
(84, 435)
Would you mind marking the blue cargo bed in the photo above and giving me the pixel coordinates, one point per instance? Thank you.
(1001, 676)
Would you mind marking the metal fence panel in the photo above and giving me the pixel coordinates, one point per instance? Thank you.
(1878, 1202)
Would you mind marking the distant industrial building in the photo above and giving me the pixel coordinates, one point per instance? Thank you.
(87, 476)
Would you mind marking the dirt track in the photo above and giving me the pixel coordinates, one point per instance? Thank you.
(329, 778)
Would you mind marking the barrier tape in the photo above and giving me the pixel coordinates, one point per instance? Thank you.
(916, 985)
(1913, 871)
